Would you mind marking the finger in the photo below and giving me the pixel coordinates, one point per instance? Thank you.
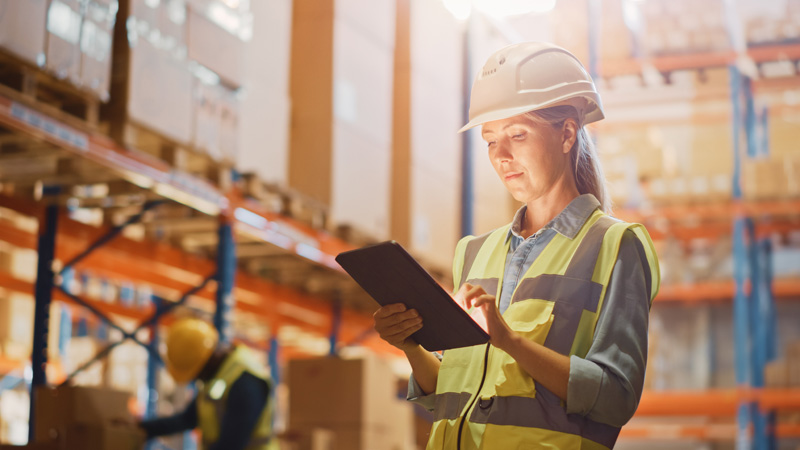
(388, 310)
(401, 327)
(387, 321)
(473, 292)
(485, 299)
(403, 334)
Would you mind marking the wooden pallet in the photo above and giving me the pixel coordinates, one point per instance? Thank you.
(33, 85)
(181, 156)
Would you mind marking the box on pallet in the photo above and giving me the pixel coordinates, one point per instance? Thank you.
(78, 405)
(22, 29)
(354, 391)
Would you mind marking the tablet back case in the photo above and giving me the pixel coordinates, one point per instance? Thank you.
(390, 275)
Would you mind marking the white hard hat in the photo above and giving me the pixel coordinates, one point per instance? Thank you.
(529, 76)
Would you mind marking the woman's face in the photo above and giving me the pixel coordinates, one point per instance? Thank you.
(529, 157)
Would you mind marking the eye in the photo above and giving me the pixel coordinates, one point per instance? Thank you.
(518, 137)
(490, 144)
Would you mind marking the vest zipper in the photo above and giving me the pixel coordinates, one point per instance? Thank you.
(477, 393)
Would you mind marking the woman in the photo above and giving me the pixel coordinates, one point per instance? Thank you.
(564, 289)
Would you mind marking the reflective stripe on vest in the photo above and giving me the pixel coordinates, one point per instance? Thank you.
(556, 304)
(212, 400)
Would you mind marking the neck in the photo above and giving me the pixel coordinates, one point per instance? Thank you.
(543, 209)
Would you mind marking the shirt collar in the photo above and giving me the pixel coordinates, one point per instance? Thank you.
(567, 223)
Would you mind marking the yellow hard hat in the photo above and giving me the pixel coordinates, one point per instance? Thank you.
(529, 76)
(189, 344)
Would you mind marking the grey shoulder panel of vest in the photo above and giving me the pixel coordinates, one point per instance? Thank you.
(471, 252)
(585, 258)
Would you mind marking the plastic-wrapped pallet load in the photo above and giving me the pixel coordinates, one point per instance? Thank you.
(96, 43)
(152, 83)
(216, 35)
(64, 20)
(22, 29)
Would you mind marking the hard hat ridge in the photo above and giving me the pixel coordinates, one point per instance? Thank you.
(528, 76)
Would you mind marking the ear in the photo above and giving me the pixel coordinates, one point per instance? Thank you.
(569, 135)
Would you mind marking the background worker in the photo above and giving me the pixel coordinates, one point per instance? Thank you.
(564, 289)
(232, 407)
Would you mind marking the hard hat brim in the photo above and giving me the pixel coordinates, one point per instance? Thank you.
(594, 115)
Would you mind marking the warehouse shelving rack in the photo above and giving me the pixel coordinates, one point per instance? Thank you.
(748, 412)
(239, 219)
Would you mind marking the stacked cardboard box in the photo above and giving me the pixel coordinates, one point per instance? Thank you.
(22, 29)
(16, 326)
(683, 26)
(784, 372)
(341, 75)
(85, 418)
(361, 409)
(14, 414)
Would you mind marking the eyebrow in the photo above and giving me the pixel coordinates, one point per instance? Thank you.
(484, 131)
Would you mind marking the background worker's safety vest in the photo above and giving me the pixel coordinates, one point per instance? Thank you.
(213, 398)
(484, 399)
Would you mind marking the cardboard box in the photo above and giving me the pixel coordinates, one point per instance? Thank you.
(96, 44)
(22, 29)
(16, 325)
(102, 437)
(64, 23)
(342, 111)
(65, 407)
(353, 392)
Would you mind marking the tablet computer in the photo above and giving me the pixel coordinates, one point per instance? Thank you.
(390, 275)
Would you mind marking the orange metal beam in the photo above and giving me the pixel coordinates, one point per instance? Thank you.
(715, 402)
(700, 60)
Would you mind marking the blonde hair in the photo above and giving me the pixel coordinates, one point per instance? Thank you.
(583, 156)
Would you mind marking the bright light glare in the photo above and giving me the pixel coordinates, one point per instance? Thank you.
(505, 8)
(459, 8)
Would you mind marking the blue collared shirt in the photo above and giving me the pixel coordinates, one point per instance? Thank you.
(606, 385)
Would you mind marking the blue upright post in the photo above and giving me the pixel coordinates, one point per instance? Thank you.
(226, 274)
(741, 324)
(467, 185)
(151, 409)
(44, 295)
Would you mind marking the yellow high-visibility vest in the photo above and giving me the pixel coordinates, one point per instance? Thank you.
(484, 399)
(213, 397)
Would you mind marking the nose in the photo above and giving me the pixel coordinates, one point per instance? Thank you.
(502, 151)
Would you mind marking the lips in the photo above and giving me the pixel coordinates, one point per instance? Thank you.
(511, 175)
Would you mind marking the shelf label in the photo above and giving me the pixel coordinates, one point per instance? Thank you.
(50, 127)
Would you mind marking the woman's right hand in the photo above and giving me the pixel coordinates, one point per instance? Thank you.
(395, 324)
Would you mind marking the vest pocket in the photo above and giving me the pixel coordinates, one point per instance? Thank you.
(532, 319)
